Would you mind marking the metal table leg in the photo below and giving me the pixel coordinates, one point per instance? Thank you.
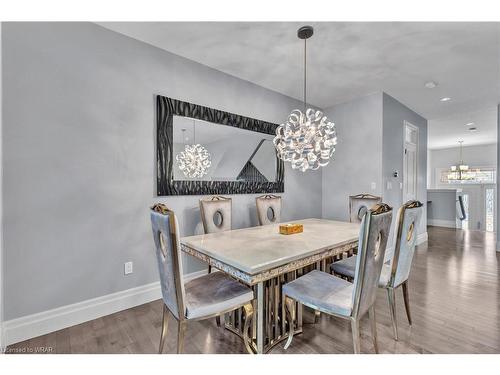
(260, 318)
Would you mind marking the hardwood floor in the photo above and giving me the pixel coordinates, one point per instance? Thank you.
(455, 306)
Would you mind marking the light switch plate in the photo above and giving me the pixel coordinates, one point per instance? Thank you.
(374, 185)
(129, 268)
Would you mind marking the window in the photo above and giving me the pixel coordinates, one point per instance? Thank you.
(490, 209)
(472, 176)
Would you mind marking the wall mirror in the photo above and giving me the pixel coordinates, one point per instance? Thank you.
(202, 151)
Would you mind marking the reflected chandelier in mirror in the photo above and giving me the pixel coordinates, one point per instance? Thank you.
(202, 151)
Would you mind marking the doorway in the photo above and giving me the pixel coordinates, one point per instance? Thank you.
(480, 202)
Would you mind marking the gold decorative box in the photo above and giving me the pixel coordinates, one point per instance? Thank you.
(291, 228)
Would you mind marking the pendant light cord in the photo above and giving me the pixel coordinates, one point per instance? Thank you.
(305, 74)
(194, 131)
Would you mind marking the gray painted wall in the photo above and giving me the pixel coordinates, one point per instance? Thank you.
(443, 206)
(358, 158)
(370, 149)
(394, 116)
(2, 305)
(79, 159)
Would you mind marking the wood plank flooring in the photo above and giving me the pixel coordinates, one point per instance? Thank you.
(454, 295)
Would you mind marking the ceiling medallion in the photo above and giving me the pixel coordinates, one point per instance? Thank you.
(307, 139)
(195, 160)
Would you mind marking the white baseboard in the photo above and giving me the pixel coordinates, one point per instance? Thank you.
(38, 324)
(442, 223)
(2, 345)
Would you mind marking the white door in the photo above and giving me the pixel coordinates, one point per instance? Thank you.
(481, 204)
(410, 159)
(489, 198)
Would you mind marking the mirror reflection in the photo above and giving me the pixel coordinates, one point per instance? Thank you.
(206, 151)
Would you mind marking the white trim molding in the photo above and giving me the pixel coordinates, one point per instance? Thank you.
(442, 223)
(27, 327)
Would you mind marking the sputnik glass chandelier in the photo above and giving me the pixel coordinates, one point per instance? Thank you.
(307, 139)
(195, 160)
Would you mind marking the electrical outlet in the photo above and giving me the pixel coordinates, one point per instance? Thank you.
(129, 268)
(374, 185)
(389, 185)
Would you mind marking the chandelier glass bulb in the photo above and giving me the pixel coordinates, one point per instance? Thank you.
(194, 161)
(306, 140)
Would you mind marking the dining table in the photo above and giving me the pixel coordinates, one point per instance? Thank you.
(264, 259)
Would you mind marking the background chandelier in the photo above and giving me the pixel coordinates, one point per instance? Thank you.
(194, 161)
(307, 139)
(460, 170)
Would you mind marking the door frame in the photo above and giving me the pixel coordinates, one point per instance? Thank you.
(408, 124)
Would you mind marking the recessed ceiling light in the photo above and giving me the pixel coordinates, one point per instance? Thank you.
(445, 99)
(469, 124)
(473, 129)
(430, 84)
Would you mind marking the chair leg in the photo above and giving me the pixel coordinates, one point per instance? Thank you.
(164, 329)
(248, 309)
(217, 318)
(317, 316)
(373, 324)
(407, 300)
(181, 330)
(392, 307)
(355, 336)
(290, 313)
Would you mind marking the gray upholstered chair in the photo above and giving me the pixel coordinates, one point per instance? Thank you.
(216, 214)
(338, 297)
(216, 217)
(268, 209)
(360, 204)
(396, 270)
(202, 298)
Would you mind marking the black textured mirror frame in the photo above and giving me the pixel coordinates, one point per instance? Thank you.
(166, 108)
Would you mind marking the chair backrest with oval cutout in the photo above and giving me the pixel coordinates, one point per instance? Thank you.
(168, 255)
(373, 236)
(268, 209)
(360, 204)
(216, 214)
(408, 219)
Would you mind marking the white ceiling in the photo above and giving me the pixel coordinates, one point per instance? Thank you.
(446, 132)
(346, 60)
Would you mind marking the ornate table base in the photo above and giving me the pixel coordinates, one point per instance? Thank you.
(269, 324)
(269, 313)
